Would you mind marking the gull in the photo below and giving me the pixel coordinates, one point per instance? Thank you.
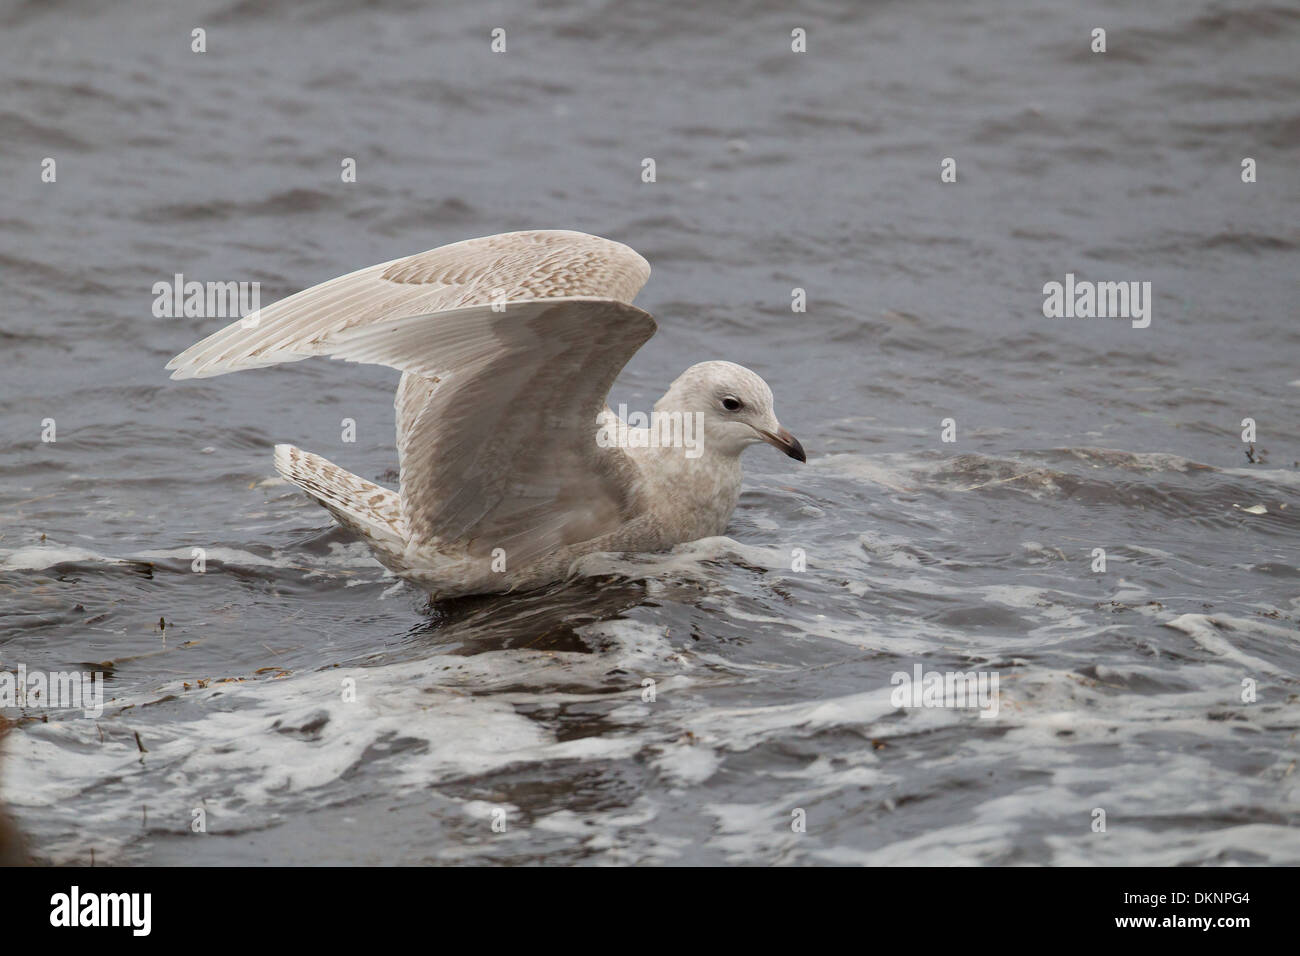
(512, 465)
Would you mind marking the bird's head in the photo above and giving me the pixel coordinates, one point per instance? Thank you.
(735, 406)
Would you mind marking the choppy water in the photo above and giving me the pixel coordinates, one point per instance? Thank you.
(1120, 690)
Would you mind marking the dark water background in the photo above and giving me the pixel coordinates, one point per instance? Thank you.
(1119, 690)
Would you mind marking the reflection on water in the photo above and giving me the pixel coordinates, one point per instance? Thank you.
(549, 619)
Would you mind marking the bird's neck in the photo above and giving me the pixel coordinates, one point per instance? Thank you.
(703, 483)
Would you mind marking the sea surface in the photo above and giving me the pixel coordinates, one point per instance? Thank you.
(1161, 691)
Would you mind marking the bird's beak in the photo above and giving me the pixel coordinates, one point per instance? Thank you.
(786, 442)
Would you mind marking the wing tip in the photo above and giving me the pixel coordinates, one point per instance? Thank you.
(180, 370)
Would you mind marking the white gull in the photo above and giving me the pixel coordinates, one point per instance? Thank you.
(512, 465)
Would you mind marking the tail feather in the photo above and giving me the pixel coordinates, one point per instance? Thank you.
(361, 506)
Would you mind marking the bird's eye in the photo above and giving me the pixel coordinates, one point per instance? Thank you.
(732, 404)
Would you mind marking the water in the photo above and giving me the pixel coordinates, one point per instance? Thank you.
(1120, 691)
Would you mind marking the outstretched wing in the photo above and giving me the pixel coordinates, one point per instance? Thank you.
(513, 266)
(503, 453)
(497, 405)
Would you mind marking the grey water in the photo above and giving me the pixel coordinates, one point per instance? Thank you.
(1161, 691)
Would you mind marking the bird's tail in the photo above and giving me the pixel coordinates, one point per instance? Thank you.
(361, 506)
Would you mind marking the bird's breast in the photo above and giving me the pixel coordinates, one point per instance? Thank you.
(693, 496)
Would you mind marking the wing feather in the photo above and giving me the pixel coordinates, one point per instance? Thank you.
(510, 267)
(503, 452)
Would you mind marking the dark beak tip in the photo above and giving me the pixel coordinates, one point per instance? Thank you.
(790, 445)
